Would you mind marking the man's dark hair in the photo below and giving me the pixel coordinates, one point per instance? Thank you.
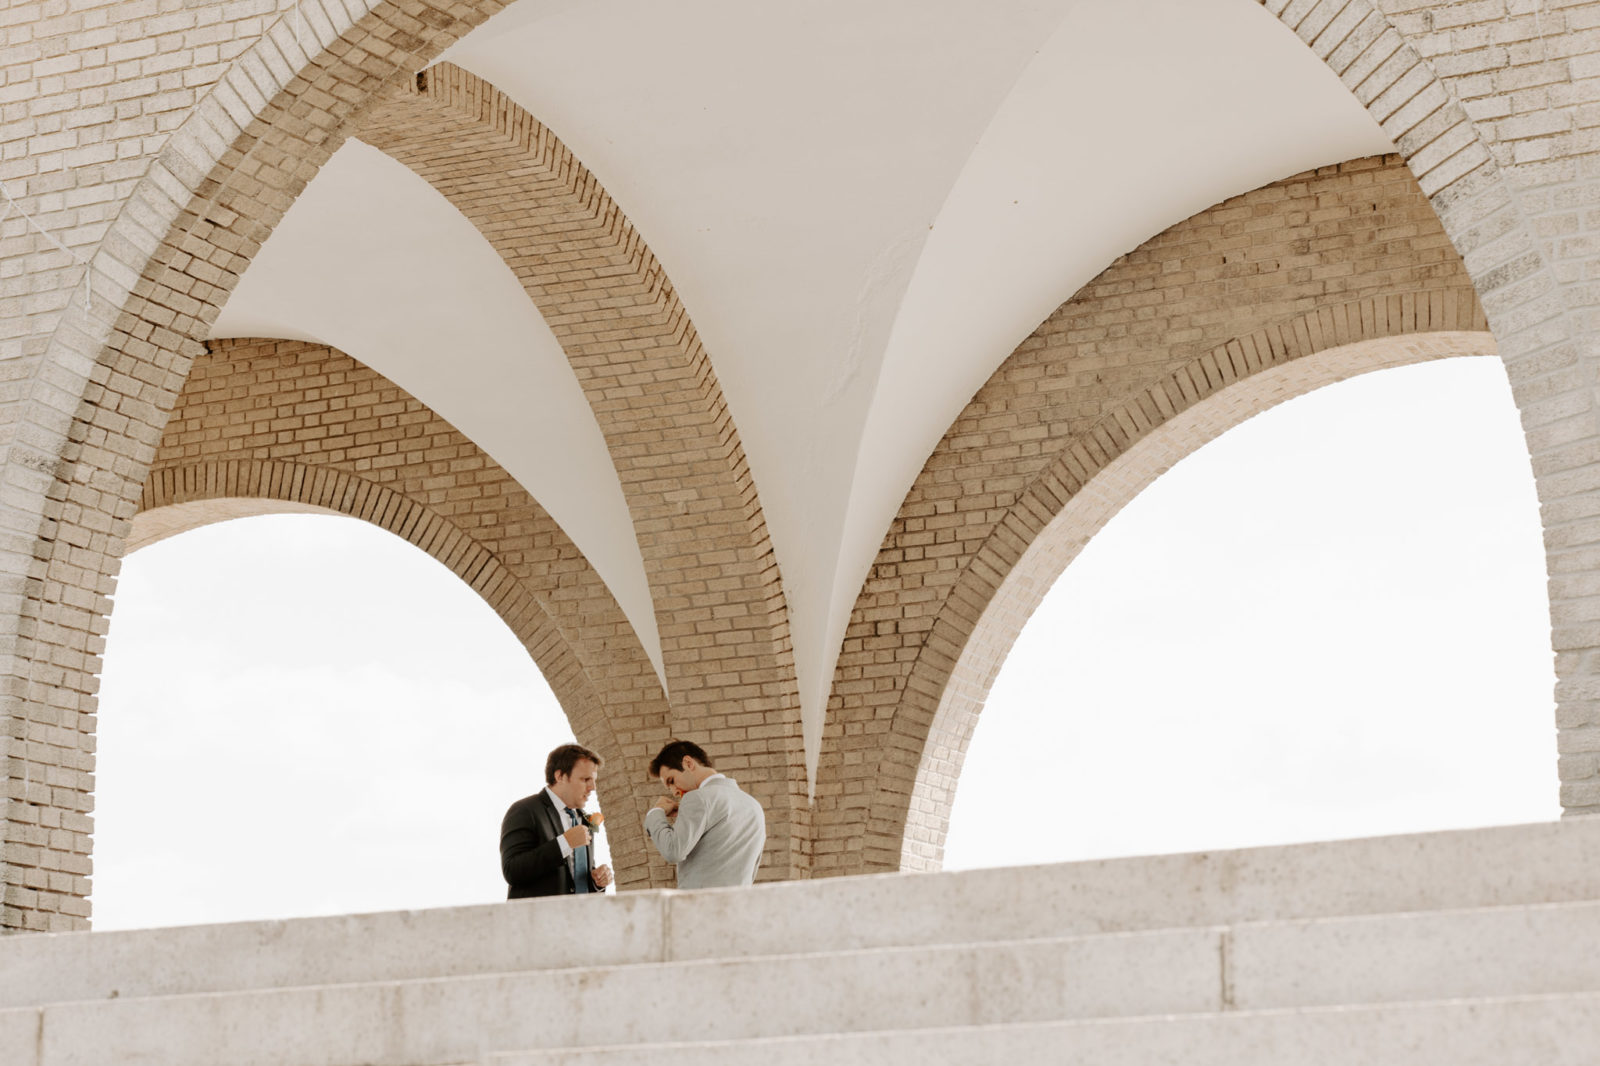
(564, 758)
(672, 755)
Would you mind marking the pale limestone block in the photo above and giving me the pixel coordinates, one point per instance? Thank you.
(457, 1019)
(1548, 1031)
(391, 946)
(1541, 863)
(19, 1037)
(1461, 954)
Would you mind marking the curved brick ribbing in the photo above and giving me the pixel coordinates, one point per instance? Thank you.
(719, 602)
(1313, 262)
(301, 423)
(103, 375)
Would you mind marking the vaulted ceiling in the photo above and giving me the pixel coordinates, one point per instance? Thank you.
(864, 208)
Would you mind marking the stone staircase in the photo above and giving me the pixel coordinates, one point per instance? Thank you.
(1466, 948)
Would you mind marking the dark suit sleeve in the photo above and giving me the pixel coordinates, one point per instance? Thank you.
(527, 851)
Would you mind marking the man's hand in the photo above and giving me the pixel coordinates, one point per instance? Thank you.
(577, 836)
(602, 876)
(668, 804)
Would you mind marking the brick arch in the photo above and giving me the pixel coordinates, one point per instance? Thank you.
(248, 488)
(275, 487)
(725, 644)
(1318, 261)
(252, 488)
(101, 374)
(1504, 178)
(287, 425)
(1143, 444)
(1507, 211)
(91, 386)
(1468, 176)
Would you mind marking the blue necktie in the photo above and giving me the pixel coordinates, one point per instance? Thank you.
(580, 859)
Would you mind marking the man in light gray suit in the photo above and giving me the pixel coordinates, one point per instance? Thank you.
(706, 825)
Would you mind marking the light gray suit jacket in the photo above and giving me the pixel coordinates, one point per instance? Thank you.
(717, 838)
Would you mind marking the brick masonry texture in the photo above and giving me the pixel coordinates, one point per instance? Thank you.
(162, 142)
(206, 153)
(713, 576)
(1198, 317)
(300, 423)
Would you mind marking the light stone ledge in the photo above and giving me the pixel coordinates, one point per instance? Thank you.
(1543, 863)
(1548, 862)
(1513, 950)
(356, 948)
(1511, 1031)
(1545, 949)
(19, 1037)
(416, 1023)
(1477, 868)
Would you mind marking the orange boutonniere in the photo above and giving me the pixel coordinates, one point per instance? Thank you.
(592, 820)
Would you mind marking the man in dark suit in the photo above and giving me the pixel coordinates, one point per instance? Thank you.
(545, 845)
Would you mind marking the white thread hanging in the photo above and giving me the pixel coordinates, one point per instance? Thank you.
(29, 220)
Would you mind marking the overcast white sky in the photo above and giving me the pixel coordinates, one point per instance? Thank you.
(1330, 622)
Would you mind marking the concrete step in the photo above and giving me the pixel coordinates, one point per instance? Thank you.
(37, 969)
(1506, 1031)
(462, 1019)
(1460, 954)
(1486, 953)
(1515, 865)
(1550, 862)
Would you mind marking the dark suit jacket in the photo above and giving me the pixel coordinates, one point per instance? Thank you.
(530, 855)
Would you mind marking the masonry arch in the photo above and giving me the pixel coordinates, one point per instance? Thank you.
(179, 499)
(103, 373)
(109, 370)
(356, 716)
(99, 376)
(375, 457)
(1162, 330)
(913, 618)
(1502, 207)
(1110, 488)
